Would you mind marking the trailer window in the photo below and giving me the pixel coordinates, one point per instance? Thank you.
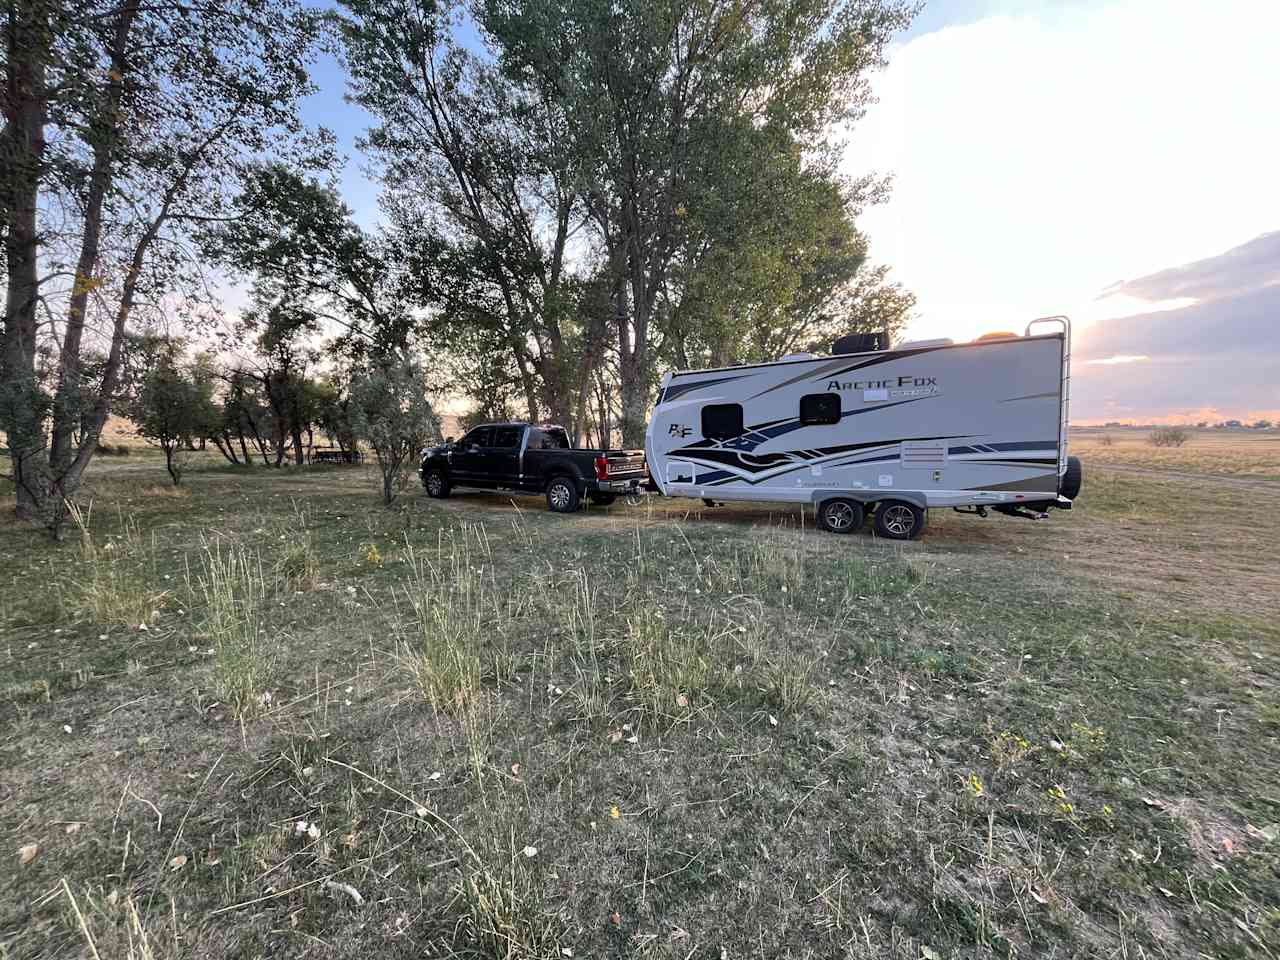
(816, 408)
(722, 421)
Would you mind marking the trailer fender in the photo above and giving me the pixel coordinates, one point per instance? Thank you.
(1072, 478)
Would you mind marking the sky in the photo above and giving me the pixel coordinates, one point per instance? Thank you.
(1046, 155)
(1045, 152)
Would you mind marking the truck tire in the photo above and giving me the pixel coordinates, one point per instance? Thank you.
(840, 516)
(899, 520)
(562, 495)
(436, 483)
(1072, 479)
(602, 499)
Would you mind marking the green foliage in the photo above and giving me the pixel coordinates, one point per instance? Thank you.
(679, 145)
(390, 412)
(175, 407)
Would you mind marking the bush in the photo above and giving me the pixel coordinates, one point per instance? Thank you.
(1169, 437)
(109, 450)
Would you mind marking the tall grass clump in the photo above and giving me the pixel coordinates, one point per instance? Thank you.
(298, 565)
(113, 581)
(233, 586)
(459, 626)
(502, 910)
(671, 668)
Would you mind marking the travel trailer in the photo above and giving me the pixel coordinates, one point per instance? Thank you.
(889, 433)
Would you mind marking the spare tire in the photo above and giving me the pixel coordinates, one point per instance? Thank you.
(1069, 485)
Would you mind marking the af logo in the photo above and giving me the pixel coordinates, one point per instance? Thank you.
(679, 430)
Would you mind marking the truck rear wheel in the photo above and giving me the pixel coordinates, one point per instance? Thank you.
(899, 520)
(562, 495)
(840, 516)
(437, 483)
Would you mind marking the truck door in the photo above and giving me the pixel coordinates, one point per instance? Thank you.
(500, 461)
(466, 459)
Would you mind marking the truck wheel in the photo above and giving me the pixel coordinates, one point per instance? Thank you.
(437, 484)
(1072, 479)
(602, 499)
(840, 516)
(562, 495)
(899, 520)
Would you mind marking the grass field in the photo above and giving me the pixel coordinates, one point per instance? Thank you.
(264, 716)
(1231, 453)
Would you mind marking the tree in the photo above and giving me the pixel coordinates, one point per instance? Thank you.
(463, 145)
(664, 105)
(390, 412)
(154, 109)
(175, 408)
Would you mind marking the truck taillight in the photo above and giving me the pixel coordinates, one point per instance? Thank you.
(602, 468)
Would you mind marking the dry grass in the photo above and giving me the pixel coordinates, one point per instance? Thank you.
(662, 732)
(1232, 453)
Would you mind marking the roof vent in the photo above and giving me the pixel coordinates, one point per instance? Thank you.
(862, 343)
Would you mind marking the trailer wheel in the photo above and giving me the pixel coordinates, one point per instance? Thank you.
(437, 484)
(899, 520)
(840, 516)
(1072, 479)
(562, 495)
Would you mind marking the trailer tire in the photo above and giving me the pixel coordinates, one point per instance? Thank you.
(562, 495)
(840, 516)
(1072, 479)
(899, 520)
(436, 483)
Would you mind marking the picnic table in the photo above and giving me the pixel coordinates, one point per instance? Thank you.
(335, 455)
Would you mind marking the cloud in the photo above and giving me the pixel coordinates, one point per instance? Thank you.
(1121, 359)
(1220, 354)
(1246, 267)
(1040, 156)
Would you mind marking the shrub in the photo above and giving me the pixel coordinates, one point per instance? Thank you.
(1169, 436)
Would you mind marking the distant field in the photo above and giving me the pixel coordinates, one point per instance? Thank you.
(472, 728)
(1234, 453)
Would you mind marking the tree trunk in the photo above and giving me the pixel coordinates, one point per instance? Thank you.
(68, 410)
(223, 443)
(170, 451)
(632, 370)
(25, 102)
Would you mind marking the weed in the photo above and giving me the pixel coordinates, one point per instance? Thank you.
(1008, 749)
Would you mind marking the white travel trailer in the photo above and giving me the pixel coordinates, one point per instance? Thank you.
(890, 431)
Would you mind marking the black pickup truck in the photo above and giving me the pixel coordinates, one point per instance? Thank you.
(532, 458)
